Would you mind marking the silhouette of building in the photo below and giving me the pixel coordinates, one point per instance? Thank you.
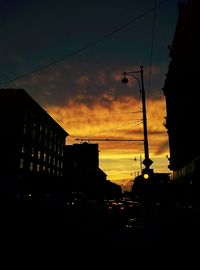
(112, 190)
(81, 169)
(81, 162)
(152, 189)
(32, 142)
(182, 95)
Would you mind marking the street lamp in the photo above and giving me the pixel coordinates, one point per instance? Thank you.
(147, 161)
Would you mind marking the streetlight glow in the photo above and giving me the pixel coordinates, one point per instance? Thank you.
(146, 176)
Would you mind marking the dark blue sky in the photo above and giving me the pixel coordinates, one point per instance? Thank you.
(35, 32)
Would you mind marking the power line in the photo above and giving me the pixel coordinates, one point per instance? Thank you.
(152, 47)
(10, 81)
(114, 128)
(99, 115)
(136, 121)
(111, 129)
(109, 140)
(93, 43)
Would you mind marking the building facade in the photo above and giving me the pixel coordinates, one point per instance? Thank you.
(32, 142)
(81, 169)
(181, 90)
(81, 162)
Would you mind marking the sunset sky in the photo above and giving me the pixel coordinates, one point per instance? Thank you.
(70, 57)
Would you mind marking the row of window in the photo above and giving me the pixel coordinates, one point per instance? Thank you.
(55, 146)
(58, 163)
(46, 134)
(40, 155)
(40, 168)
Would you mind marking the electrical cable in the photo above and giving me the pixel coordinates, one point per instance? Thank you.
(92, 43)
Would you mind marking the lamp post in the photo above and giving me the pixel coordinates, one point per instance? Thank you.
(147, 161)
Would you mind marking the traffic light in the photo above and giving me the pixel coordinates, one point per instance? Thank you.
(146, 176)
(147, 173)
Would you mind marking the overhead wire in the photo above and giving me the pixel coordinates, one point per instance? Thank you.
(6, 76)
(110, 129)
(152, 48)
(99, 115)
(92, 43)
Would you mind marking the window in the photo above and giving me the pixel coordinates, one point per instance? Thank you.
(54, 148)
(38, 167)
(45, 157)
(45, 142)
(33, 134)
(32, 152)
(21, 163)
(24, 129)
(23, 149)
(31, 166)
(39, 154)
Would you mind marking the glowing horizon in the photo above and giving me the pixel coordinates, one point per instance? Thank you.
(117, 122)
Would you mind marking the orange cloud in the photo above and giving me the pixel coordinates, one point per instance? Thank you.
(121, 120)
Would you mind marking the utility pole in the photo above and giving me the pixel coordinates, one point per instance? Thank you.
(147, 161)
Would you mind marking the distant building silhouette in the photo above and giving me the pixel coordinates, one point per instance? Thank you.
(81, 169)
(152, 189)
(31, 141)
(81, 162)
(181, 89)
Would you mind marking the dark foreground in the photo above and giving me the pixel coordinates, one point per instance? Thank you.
(93, 230)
